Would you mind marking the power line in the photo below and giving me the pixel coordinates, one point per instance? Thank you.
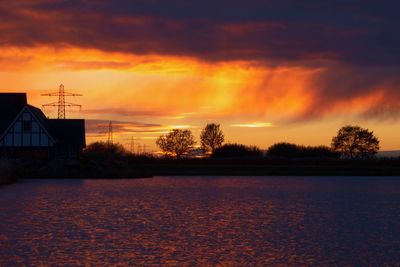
(132, 145)
(61, 104)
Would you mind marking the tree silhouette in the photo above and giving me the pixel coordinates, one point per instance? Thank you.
(177, 142)
(355, 142)
(211, 137)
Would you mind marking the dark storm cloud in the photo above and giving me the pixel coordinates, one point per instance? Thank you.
(352, 31)
(342, 83)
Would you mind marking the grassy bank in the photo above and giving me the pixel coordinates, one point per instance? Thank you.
(140, 167)
(78, 169)
(268, 167)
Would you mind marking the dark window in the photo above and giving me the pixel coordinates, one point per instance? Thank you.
(27, 126)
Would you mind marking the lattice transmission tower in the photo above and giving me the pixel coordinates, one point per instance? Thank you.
(61, 104)
(110, 134)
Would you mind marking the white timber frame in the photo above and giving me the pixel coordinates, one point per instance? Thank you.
(26, 131)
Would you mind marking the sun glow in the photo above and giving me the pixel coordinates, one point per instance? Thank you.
(176, 92)
(254, 125)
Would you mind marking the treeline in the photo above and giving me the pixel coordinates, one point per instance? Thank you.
(277, 151)
(104, 151)
(112, 160)
(351, 142)
(287, 150)
(213, 157)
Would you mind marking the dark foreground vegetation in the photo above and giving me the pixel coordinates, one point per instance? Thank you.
(117, 164)
(142, 166)
(352, 153)
(263, 166)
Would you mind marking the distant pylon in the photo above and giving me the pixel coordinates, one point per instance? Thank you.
(61, 104)
(110, 133)
(132, 145)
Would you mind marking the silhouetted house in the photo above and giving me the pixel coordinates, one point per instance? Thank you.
(26, 132)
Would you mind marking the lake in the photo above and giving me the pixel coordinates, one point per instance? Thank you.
(202, 221)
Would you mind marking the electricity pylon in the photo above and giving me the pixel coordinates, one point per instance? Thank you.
(61, 104)
(132, 145)
(110, 133)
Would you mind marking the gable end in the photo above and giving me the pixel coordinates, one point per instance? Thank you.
(26, 131)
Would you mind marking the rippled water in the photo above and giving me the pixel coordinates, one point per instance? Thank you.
(203, 221)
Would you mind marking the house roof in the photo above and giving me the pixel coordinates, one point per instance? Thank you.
(68, 132)
(43, 120)
(11, 105)
(38, 113)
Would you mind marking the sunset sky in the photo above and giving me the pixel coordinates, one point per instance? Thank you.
(266, 70)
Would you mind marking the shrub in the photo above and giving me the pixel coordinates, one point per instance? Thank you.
(287, 150)
(104, 150)
(237, 151)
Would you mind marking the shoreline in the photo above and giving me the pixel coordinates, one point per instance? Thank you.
(150, 167)
(7, 175)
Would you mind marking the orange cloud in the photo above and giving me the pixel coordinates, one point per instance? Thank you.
(154, 85)
(173, 91)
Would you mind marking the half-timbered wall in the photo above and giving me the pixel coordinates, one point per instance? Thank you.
(26, 131)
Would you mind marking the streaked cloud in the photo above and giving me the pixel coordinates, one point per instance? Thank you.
(254, 125)
(93, 65)
(101, 126)
(133, 112)
(187, 126)
(174, 88)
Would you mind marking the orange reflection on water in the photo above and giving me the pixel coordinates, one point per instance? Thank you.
(197, 221)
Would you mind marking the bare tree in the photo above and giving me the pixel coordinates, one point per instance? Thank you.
(211, 137)
(355, 142)
(176, 143)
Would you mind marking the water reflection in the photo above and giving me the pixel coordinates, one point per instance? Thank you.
(190, 221)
